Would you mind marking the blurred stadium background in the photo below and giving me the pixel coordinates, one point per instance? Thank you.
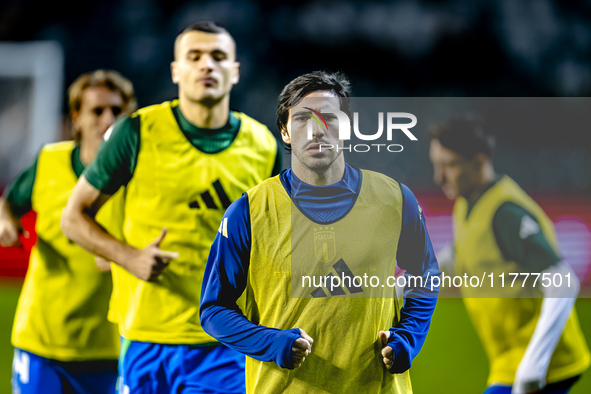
(409, 48)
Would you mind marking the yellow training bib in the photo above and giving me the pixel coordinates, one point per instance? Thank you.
(62, 309)
(344, 321)
(176, 186)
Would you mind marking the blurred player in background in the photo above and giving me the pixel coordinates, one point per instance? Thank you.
(269, 233)
(183, 163)
(533, 344)
(62, 338)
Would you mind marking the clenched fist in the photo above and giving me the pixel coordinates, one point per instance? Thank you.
(387, 353)
(301, 348)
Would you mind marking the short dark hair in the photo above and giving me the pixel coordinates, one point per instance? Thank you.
(463, 136)
(205, 27)
(293, 92)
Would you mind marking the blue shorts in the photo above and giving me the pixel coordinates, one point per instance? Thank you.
(561, 387)
(32, 374)
(150, 368)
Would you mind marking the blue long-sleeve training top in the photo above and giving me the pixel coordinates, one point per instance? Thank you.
(229, 259)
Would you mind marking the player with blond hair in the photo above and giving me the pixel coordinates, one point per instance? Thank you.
(62, 338)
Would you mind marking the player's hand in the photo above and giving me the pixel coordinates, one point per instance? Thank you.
(528, 382)
(147, 264)
(387, 352)
(531, 375)
(531, 387)
(301, 348)
(9, 233)
(102, 264)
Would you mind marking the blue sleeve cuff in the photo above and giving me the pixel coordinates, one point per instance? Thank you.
(401, 361)
(399, 365)
(286, 342)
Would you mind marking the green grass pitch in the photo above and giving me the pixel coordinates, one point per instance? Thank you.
(452, 360)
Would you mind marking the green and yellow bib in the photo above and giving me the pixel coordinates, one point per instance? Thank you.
(176, 186)
(344, 322)
(505, 325)
(62, 309)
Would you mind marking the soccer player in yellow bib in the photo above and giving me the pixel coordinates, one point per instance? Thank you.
(533, 344)
(325, 218)
(62, 338)
(183, 162)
